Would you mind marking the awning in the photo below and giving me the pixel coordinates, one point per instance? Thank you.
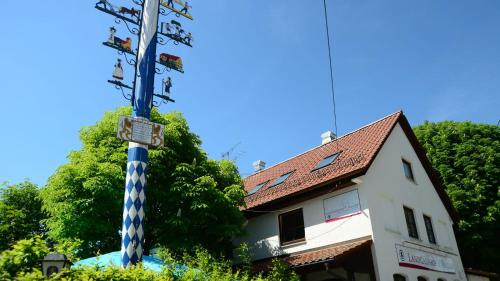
(313, 256)
(326, 254)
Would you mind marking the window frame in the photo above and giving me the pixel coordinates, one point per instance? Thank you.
(410, 232)
(282, 229)
(407, 163)
(317, 167)
(262, 184)
(273, 184)
(434, 242)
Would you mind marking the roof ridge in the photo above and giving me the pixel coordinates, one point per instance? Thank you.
(338, 138)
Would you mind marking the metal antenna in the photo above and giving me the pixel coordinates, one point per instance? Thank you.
(226, 155)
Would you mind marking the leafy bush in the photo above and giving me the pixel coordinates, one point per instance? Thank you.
(22, 257)
(22, 263)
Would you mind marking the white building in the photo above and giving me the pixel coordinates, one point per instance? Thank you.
(365, 206)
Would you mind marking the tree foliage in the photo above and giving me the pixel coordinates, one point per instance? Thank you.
(190, 200)
(467, 156)
(20, 213)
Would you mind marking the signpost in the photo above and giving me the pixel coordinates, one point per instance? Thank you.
(138, 130)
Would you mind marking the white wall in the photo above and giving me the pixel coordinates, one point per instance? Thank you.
(387, 189)
(263, 231)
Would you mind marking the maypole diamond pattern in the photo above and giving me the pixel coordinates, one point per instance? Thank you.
(133, 212)
(135, 183)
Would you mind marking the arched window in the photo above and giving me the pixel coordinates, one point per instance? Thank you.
(421, 278)
(399, 277)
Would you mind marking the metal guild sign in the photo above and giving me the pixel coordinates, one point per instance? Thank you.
(140, 130)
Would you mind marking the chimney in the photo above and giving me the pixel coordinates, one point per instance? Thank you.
(258, 165)
(327, 137)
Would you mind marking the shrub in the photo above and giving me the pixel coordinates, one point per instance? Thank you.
(22, 262)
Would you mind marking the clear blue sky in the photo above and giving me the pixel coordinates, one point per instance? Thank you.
(258, 73)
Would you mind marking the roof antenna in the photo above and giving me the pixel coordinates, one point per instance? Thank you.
(227, 155)
(331, 68)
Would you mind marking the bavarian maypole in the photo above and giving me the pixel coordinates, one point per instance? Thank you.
(138, 130)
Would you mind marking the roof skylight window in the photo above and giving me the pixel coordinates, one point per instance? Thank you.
(326, 161)
(281, 179)
(257, 187)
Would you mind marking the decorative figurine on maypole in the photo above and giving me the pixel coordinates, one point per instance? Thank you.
(125, 14)
(118, 76)
(184, 11)
(142, 98)
(118, 43)
(167, 85)
(118, 71)
(171, 62)
(174, 31)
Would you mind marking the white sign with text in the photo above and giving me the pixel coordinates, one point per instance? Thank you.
(342, 206)
(409, 257)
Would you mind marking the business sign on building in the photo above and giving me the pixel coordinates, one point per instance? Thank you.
(409, 257)
(140, 130)
(342, 206)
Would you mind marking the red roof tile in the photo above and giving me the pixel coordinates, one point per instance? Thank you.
(357, 151)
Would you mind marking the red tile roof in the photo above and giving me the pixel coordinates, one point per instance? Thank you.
(357, 151)
(326, 253)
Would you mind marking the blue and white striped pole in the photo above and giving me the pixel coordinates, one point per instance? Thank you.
(133, 211)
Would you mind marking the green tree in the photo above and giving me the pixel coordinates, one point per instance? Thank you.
(190, 200)
(467, 156)
(20, 213)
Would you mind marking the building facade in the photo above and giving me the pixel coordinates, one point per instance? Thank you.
(365, 206)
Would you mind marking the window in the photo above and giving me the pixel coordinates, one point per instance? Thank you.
(291, 227)
(421, 278)
(257, 187)
(408, 171)
(430, 230)
(398, 277)
(281, 179)
(326, 161)
(410, 222)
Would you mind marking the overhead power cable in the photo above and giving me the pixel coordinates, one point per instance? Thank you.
(331, 68)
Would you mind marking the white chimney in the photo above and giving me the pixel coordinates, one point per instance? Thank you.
(258, 165)
(327, 137)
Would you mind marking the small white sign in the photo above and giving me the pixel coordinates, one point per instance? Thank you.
(409, 257)
(342, 206)
(140, 131)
